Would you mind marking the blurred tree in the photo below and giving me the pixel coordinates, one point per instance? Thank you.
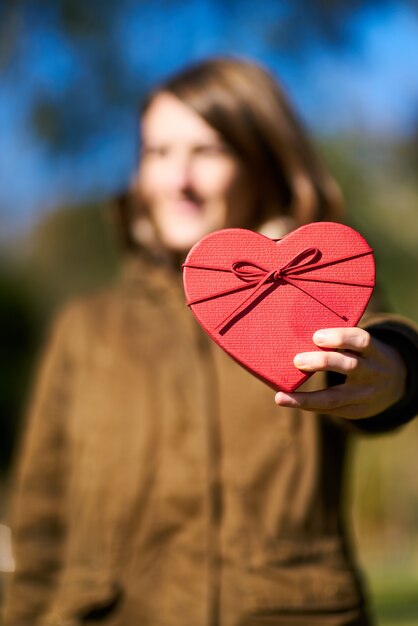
(70, 252)
(410, 153)
(380, 191)
(102, 82)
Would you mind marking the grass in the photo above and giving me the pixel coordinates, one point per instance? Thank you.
(394, 597)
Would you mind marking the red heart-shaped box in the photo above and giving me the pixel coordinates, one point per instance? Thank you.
(262, 300)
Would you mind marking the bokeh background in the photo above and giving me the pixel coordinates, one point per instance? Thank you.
(71, 76)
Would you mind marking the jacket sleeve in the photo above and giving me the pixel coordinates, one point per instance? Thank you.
(402, 335)
(38, 501)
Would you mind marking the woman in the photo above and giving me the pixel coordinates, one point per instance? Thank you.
(159, 483)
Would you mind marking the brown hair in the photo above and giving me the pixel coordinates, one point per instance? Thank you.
(250, 110)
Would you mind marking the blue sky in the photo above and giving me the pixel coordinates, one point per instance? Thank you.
(368, 86)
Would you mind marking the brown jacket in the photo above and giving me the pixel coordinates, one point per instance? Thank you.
(160, 485)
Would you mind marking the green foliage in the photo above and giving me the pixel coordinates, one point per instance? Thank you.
(395, 597)
(69, 253)
(381, 194)
(19, 337)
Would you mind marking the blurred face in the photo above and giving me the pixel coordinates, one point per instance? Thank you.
(189, 178)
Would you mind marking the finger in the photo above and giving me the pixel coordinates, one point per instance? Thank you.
(346, 410)
(341, 362)
(355, 339)
(335, 401)
(323, 401)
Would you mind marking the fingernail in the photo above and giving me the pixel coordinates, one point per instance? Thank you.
(300, 360)
(280, 397)
(320, 336)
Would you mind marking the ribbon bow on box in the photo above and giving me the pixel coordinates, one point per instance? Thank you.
(319, 276)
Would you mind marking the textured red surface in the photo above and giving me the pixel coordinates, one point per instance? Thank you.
(262, 300)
